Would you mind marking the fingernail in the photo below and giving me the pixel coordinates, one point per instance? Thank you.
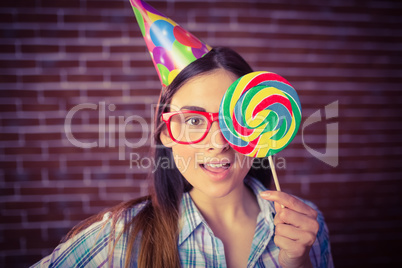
(265, 194)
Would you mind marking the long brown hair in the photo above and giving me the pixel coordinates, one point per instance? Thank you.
(156, 225)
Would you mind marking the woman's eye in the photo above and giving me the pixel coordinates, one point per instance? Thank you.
(194, 121)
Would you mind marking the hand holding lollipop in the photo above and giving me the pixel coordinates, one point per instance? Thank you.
(260, 115)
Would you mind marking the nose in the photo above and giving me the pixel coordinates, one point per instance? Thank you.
(215, 140)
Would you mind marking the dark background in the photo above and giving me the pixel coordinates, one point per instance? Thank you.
(55, 55)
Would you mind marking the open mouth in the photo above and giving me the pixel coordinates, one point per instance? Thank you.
(216, 167)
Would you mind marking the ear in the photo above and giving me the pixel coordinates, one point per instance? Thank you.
(165, 139)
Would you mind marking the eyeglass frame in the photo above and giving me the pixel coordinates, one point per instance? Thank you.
(211, 117)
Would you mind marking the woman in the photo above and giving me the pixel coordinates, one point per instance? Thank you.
(206, 206)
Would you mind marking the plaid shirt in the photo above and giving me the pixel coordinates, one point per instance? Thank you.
(198, 246)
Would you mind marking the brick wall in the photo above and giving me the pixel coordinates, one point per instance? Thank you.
(55, 55)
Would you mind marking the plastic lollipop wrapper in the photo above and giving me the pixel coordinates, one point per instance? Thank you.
(172, 48)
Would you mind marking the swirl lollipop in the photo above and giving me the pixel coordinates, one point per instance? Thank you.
(260, 115)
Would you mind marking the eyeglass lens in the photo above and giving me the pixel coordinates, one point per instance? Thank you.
(188, 127)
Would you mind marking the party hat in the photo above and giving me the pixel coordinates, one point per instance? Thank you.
(172, 48)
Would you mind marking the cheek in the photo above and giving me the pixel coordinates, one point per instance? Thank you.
(243, 162)
(183, 157)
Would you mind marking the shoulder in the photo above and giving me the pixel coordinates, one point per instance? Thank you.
(91, 246)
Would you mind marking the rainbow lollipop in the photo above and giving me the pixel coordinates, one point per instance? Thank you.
(260, 115)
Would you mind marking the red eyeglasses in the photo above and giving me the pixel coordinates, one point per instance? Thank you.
(188, 127)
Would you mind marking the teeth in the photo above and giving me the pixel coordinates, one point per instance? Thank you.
(217, 165)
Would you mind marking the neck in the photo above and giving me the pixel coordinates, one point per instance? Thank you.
(226, 209)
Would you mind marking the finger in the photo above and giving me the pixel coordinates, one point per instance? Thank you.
(289, 201)
(278, 207)
(303, 237)
(292, 248)
(297, 220)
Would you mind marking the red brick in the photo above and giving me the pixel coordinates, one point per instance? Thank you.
(20, 122)
(125, 189)
(13, 219)
(147, 92)
(17, 33)
(55, 121)
(132, 78)
(22, 150)
(104, 64)
(80, 190)
(46, 217)
(10, 175)
(4, 78)
(42, 136)
(142, 64)
(79, 216)
(103, 33)
(84, 78)
(25, 259)
(57, 175)
(7, 191)
(82, 18)
(17, 64)
(128, 49)
(103, 203)
(215, 19)
(121, 163)
(62, 205)
(36, 18)
(18, 93)
(41, 164)
(93, 4)
(40, 107)
(84, 163)
(65, 150)
(59, 64)
(23, 205)
(17, 3)
(96, 175)
(61, 93)
(37, 242)
(105, 93)
(40, 49)
(8, 243)
(7, 49)
(61, 3)
(39, 191)
(6, 18)
(59, 33)
(8, 108)
(57, 233)
(8, 165)
(86, 136)
(45, 78)
(83, 49)
(254, 20)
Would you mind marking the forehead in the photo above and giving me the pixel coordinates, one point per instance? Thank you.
(205, 91)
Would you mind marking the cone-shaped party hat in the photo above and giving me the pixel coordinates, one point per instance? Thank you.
(171, 47)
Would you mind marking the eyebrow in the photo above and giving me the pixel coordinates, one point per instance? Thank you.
(193, 108)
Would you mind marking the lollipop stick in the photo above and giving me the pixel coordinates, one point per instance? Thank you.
(271, 164)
